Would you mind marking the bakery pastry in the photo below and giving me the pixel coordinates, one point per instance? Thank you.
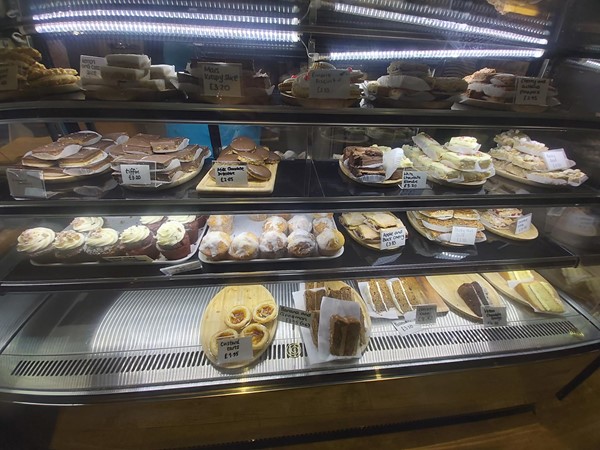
(518, 275)
(276, 223)
(37, 243)
(299, 222)
(343, 293)
(352, 219)
(321, 224)
(172, 240)
(258, 172)
(474, 296)
(242, 144)
(541, 295)
(412, 292)
(272, 245)
(190, 224)
(265, 312)
(152, 222)
(366, 234)
(215, 245)
(258, 217)
(238, 317)
(376, 297)
(86, 224)
(138, 240)
(344, 335)
(244, 246)
(313, 298)
(227, 333)
(402, 292)
(259, 334)
(68, 247)
(102, 242)
(301, 244)
(330, 242)
(220, 223)
(314, 327)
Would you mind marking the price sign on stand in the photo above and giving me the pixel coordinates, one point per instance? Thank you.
(90, 66)
(139, 174)
(406, 328)
(412, 179)
(531, 91)
(425, 314)
(236, 175)
(392, 238)
(8, 77)
(463, 235)
(295, 316)
(26, 183)
(523, 224)
(221, 80)
(556, 159)
(234, 350)
(329, 84)
(494, 316)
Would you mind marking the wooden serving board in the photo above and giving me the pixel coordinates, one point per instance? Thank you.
(502, 285)
(184, 179)
(431, 294)
(207, 184)
(528, 235)
(386, 183)
(368, 245)
(528, 182)
(417, 225)
(471, 184)
(319, 103)
(486, 104)
(213, 319)
(447, 287)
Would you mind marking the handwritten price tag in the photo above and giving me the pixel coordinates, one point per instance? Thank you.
(8, 77)
(232, 350)
(412, 179)
(295, 316)
(523, 224)
(136, 174)
(494, 316)
(392, 238)
(89, 66)
(329, 84)
(406, 328)
(556, 159)
(463, 235)
(221, 80)
(425, 314)
(231, 175)
(531, 91)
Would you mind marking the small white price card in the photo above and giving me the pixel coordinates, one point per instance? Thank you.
(425, 314)
(329, 84)
(295, 316)
(392, 238)
(406, 328)
(139, 174)
(233, 350)
(463, 235)
(221, 79)
(523, 224)
(412, 179)
(494, 316)
(89, 66)
(231, 175)
(26, 183)
(531, 91)
(556, 159)
(8, 77)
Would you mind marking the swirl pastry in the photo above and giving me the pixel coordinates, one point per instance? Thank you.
(238, 317)
(265, 312)
(226, 333)
(259, 333)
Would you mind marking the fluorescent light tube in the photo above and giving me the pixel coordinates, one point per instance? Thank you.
(436, 54)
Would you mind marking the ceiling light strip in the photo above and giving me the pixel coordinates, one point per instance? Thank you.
(435, 54)
(166, 29)
(436, 23)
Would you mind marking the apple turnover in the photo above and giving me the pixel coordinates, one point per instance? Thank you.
(265, 312)
(259, 334)
(238, 317)
(214, 340)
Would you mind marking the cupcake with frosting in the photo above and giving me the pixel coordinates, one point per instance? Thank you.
(37, 243)
(173, 241)
(102, 242)
(152, 222)
(86, 224)
(68, 247)
(138, 240)
(190, 223)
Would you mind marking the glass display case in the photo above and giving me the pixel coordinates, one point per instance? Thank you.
(211, 205)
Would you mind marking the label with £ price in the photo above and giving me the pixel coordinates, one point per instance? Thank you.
(295, 316)
(463, 235)
(391, 239)
(8, 77)
(425, 314)
(329, 84)
(556, 159)
(221, 80)
(412, 179)
(523, 224)
(406, 328)
(231, 175)
(531, 91)
(26, 183)
(90, 66)
(233, 350)
(139, 174)
(494, 316)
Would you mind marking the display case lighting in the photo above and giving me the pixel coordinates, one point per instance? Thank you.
(435, 54)
(166, 29)
(429, 22)
(173, 15)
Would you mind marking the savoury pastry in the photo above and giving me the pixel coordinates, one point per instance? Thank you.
(259, 333)
(238, 317)
(265, 312)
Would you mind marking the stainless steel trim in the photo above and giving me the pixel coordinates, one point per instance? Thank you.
(14, 312)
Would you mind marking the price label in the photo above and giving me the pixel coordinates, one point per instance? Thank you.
(89, 66)
(25, 183)
(8, 77)
(295, 316)
(221, 80)
(412, 179)
(406, 328)
(531, 91)
(393, 238)
(232, 350)
(556, 159)
(329, 84)
(523, 224)
(425, 314)
(140, 258)
(494, 316)
(231, 175)
(181, 268)
(463, 235)
(139, 174)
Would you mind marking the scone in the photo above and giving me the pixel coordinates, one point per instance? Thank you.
(299, 222)
(222, 223)
(276, 223)
(215, 245)
(272, 244)
(330, 242)
(301, 244)
(321, 224)
(244, 246)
